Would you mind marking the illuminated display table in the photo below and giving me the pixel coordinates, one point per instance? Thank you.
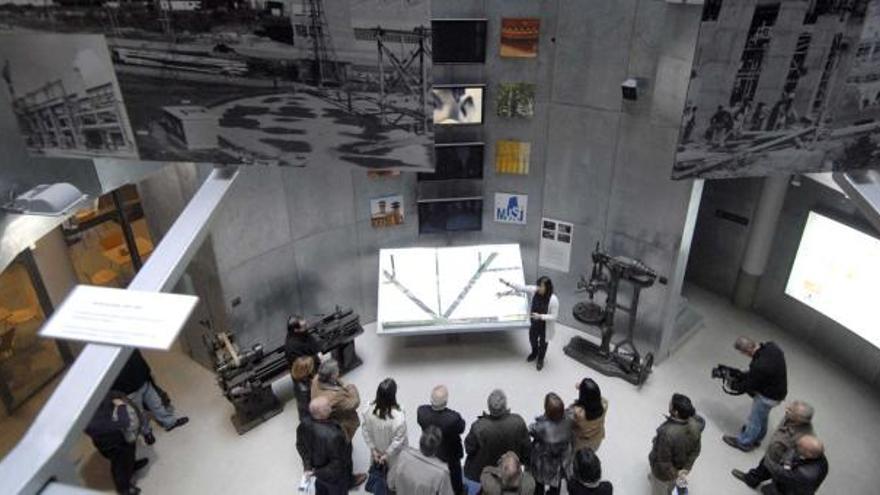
(450, 290)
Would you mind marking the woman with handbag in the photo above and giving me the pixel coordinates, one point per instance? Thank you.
(384, 430)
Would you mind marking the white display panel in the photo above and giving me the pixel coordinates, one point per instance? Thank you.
(836, 272)
(450, 290)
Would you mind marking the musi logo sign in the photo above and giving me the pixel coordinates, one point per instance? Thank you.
(511, 208)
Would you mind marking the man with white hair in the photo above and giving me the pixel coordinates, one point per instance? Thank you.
(451, 426)
(491, 436)
(797, 423)
(325, 450)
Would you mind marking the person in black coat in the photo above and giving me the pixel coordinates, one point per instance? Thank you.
(302, 372)
(766, 382)
(299, 343)
(113, 430)
(586, 476)
(324, 450)
(452, 426)
(136, 381)
(803, 470)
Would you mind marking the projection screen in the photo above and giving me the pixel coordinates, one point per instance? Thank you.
(836, 272)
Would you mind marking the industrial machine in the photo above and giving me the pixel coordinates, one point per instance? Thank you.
(621, 359)
(246, 376)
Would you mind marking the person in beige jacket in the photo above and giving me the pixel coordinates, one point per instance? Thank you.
(344, 398)
(588, 416)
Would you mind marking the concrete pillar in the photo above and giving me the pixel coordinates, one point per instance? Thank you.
(760, 239)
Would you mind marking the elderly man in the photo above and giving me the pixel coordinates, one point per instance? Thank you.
(452, 426)
(804, 468)
(324, 449)
(344, 401)
(420, 472)
(797, 423)
(676, 446)
(492, 435)
(766, 382)
(507, 478)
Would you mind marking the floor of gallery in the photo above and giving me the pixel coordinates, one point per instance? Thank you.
(207, 456)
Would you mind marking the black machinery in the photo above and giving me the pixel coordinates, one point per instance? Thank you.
(621, 359)
(246, 376)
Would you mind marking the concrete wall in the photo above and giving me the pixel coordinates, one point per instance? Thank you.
(299, 240)
(719, 245)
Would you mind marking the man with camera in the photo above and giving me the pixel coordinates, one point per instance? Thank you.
(765, 381)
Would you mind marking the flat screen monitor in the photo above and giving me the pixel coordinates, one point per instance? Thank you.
(456, 161)
(458, 105)
(836, 272)
(450, 216)
(458, 41)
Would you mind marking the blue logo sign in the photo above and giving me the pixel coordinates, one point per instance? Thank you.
(511, 211)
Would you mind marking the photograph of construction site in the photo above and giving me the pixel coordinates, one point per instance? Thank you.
(65, 99)
(288, 82)
(799, 91)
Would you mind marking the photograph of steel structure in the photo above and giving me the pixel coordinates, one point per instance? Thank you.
(64, 94)
(289, 82)
(782, 87)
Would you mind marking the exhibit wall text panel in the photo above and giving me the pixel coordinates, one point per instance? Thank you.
(450, 290)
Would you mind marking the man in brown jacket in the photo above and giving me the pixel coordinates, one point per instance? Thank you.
(344, 401)
(797, 423)
(676, 446)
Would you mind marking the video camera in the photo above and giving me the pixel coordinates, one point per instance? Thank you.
(730, 379)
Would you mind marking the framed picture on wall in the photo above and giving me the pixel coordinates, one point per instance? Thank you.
(519, 37)
(458, 104)
(515, 100)
(512, 157)
(386, 211)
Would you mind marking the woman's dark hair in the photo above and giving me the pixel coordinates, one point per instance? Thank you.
(294, 323)
(554, 408)
(590, 399)
(587, 467)
(548, 284)
(386, 399)
(682, 406)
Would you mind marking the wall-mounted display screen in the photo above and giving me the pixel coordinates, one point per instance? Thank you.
(450, 216)
(457, 105)
(458, 41)
(456, 161)
(836, 272)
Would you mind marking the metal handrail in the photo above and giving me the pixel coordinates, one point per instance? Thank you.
(39, 461)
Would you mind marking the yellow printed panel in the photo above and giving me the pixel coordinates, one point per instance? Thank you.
(512, 157)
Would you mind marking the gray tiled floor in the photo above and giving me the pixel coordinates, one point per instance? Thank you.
(207, 456)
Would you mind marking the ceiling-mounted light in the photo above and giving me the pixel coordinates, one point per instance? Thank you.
(48, 199)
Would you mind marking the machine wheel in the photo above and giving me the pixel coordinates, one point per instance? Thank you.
(647, 364)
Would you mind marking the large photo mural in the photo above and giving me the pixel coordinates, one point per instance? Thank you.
(782, 87)
(287, 82)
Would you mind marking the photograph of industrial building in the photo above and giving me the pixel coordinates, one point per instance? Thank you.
(289, 82)
(798, 92)
(64, 94)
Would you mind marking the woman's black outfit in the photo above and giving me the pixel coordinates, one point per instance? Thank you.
(538, 327)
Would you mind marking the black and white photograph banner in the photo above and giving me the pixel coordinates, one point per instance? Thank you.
(782, 87)
(65, 97)
(298, 83)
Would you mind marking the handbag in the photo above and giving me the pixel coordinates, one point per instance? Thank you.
(377, 482)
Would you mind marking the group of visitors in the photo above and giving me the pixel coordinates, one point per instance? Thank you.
(502, 454)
